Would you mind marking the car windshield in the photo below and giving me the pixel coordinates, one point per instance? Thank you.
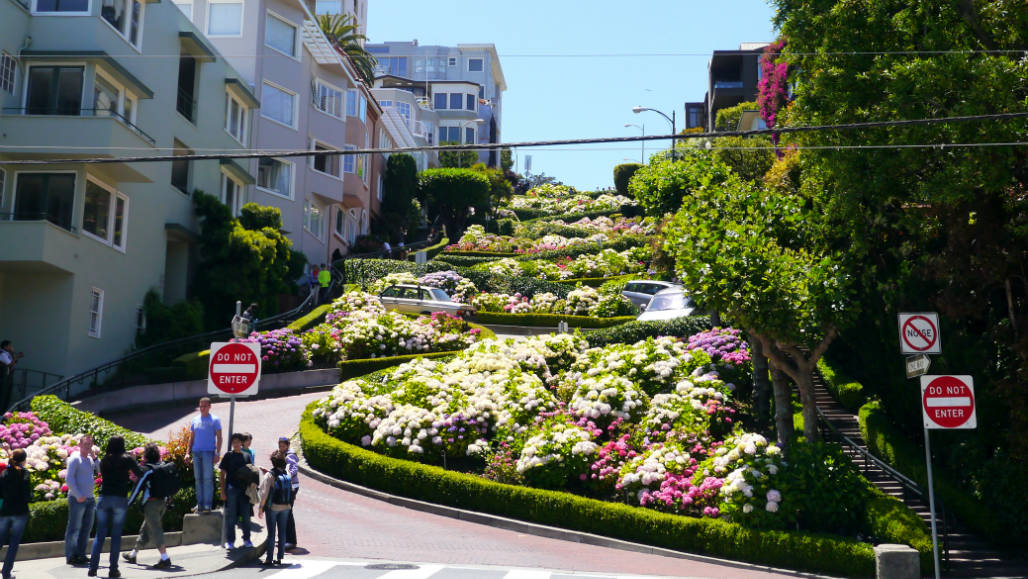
(669, 301)
(439, 295)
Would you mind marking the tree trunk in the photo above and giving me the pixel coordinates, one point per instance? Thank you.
(761, 385)
(805, 385)
(783, 407)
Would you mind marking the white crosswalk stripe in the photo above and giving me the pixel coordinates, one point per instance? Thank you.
(422, 572)
(527, 574)
(305, 568)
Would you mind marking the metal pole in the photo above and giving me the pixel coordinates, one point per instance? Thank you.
(231, 416)
(931, 503)
(642, 154)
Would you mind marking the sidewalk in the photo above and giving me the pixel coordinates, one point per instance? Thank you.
(187, 560)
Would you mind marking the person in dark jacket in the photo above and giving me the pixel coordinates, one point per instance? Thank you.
(113, 505)
(154, 506)
(16, 491)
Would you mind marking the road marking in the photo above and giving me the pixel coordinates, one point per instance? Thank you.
(234, 368)
(305, 570)
(527, 574)
(422, 572)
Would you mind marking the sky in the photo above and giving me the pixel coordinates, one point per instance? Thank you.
(575, 68)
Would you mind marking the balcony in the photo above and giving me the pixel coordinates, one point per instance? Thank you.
(33, 243)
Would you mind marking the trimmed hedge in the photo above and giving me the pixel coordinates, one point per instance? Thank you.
(813, 552)
(848, 392)
(433, 250)
(598, 281)
(315, 317)
(63, 417)
(489, 254)
(890, 521)
(49, 519)
(887, 442)
(463, 260)
(549, 320)
(635, 331)
(619, 243)
(354, 368)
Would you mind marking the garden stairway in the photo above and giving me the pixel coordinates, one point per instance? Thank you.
(968, 555)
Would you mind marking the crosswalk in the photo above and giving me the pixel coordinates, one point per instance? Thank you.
(350, 569)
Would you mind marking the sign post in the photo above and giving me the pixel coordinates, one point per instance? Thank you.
(234, 370)
(947, 403)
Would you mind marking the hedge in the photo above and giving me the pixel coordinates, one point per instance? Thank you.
(432, 250)
(598, 281)
(488, 254)
(549, 320)
(63, 417)
(353, 368)
(463, 260)
(887, 442)
(848, 392)
(315, 317)
(891, 521)
(619, 243)
(635, 331)
(813, 552)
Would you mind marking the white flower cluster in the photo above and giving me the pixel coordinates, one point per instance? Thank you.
(556, 444)
(650, 468)
(606, 397)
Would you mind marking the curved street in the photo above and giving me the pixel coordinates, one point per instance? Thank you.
(338, 524)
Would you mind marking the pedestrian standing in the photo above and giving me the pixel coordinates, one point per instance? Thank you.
(275, 498)
(247, 441)
(324, 280)
(204, 444)
(293, 468)
(235, 478)
(8, 358)
(113, 505)
(82, 470)
(16, 491)
(155, 490)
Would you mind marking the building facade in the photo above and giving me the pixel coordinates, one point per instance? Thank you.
(83, 243)
(732, 77)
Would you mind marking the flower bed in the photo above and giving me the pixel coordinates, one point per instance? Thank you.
(582, 301)
(606, 263)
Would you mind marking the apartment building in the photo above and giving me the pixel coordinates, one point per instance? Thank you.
(463, 85)
(83, 243)
(410, 119)
(732, 77)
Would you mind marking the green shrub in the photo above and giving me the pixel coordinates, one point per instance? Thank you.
(63, 417)
(622, 174)
(506, 226)
(599, 281)
(194, 364)
(312, 319)
(538, 229)
(619, 243)
(635, 331)
(847, 392)
(353, 368)
(549, 320)
(465, 260)
(490, 255)
(890, 521)
(433, 250)
(812, 552)
(167, 322)
(49, 519)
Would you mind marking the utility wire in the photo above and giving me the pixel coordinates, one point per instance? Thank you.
(250, 154)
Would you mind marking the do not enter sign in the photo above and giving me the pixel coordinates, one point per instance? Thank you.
(948, 402)
(235, 368)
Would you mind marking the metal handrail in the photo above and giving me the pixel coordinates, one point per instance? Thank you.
(67, 383)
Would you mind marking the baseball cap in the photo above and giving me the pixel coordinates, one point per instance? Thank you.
(283, 439)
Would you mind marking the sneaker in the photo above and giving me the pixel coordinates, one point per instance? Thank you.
(230, 546)
(114, 573)
(129, 557)
(196, 509)
(267, 563)
(290, 546)
(247, 544)
(91, 573)
(162, 564)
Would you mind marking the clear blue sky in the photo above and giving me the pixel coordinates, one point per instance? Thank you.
(559, 97)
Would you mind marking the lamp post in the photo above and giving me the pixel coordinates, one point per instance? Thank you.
(670, 119)
(642, 154)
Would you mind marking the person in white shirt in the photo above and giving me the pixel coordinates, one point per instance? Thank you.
(8, 358)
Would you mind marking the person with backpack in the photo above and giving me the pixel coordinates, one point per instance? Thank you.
(293, 468)
(235, 478)
(275, 500)
(157, 486)
(113, 505)
(16, 492)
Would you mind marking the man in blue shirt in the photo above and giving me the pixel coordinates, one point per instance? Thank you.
(204, 445)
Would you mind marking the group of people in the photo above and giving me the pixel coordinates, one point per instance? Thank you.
(243, 485)
(320, 277)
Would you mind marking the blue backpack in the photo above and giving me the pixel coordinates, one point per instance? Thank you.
(282, 491)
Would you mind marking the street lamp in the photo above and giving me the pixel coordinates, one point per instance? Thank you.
(670, 119)
(642, 127)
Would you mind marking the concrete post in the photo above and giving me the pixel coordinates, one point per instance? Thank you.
(897, 562)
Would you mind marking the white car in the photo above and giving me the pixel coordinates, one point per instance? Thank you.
(420, 299)
(667, 305)
(639, 291)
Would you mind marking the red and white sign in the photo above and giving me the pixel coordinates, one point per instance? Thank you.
(948, 402)
(235, 368)
(919, 333)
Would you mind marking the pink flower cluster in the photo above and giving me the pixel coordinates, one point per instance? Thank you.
(722, 345)
(21, 429)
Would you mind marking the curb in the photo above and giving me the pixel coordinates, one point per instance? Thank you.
(526, 527)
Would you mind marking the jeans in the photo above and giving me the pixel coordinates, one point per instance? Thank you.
(237, 506)
(203, 472)
(291, 525)
(80, 524)
(110, 517)
(277, 521)
(151, 529)
(12, 527)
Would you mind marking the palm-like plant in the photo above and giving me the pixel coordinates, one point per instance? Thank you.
(342, 31)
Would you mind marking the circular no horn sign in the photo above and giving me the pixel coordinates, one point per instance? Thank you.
(919, 333)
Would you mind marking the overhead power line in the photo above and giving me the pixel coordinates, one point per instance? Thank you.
(254, 154)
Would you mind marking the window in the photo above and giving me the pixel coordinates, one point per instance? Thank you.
(449, 134)
(364, 109)
(278, 104)
(280, 34)
(380, 193)
(328, 7)
(440, 101)
(231, 194)
(456, 99)
(235, 118)
(340, 220)
(470, 101)
(224, 18)
(404, 110)
(7, 68)
(54, 90)
(474, 65)
(126, 16)
(47, 196)
(186, 8)
(349, 161)
(275, 176)
(469, 135)
(351, 103)
(105, 97)
(186, 100)
(96, 311)
(105, 214)
(180, 168)
(69, 6)
(452, 61)
(328, 99)
(314, 220)
(393, 65)
(328, 164)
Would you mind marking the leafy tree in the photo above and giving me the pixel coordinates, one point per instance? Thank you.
(342, 31)
(457, 159)
(451, 193)
(727, 119)
(400, 208)
(246, 259)
(506, 159)
(622, 175)
(167, 322)
(500, 189)
(749, 157)
(661, 186)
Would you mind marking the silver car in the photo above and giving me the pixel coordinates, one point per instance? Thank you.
(419, 299)
(667, 305)
(639, 291)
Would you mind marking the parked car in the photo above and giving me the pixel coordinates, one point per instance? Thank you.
(419, 299)
(639, 291)
(668, 304)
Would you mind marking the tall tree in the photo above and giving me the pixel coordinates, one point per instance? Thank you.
(452, 194)
(343, 32)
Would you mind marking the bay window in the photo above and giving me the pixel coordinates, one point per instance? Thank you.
(105, 214)
(275, 176)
